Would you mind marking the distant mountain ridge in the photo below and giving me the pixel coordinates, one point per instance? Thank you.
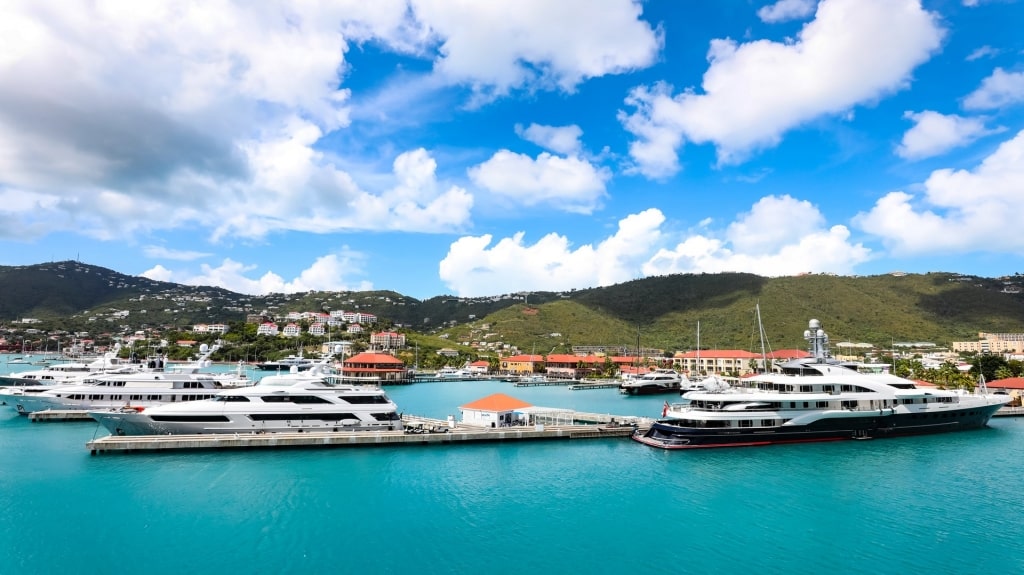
(663, 312)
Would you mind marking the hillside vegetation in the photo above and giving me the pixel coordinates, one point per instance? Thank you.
(663, 311)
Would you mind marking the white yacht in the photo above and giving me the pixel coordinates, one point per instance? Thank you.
(293, 402)
(286, 364)
(654, 382)
(152, 386)
(816, 399)
(63, 373)
(452, 373)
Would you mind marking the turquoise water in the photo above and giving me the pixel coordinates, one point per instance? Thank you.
(940, 504)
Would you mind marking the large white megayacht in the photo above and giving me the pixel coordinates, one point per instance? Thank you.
(293, 402)
(67, 373)
(816, 399)
(154, 385)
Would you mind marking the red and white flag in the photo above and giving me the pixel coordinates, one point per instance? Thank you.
(664, 409)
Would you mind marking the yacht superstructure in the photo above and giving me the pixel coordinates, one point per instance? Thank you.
(816, 399)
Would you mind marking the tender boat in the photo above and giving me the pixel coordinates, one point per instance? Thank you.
(654, 382)
(452, 373)
(293, 402)
(816, 399)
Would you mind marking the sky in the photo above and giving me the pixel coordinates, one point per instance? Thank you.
(469, 148)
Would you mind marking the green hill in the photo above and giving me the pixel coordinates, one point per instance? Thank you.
(664, 311)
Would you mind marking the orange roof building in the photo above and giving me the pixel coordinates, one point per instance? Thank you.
(496, 410)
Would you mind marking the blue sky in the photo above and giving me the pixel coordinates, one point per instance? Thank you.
(479, 148)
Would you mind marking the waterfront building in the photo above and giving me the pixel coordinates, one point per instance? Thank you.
(374, 367)
(495, 410)
(522, 364)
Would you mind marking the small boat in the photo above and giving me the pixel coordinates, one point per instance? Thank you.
(654, 382)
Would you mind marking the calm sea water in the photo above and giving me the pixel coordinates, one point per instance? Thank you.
(942, 504)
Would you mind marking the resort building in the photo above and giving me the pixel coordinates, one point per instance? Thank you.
(292, 330)
(733, 361)
(574, 366)
(267, 328)
(387, 340)
(522, 364)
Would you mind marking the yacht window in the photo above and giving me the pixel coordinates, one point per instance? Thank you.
(301, 416)
(294, 399)
(363, 399)
(746, 423)
(806, 405)
(822, 404)
(846, 388)
(389, 416)
(767, 422)
(805, 388)
(234, 398)
(191, 418)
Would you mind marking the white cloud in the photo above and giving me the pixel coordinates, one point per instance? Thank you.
(853, 52)
(934, 134)
(119, 119)
(498, 46)
(569, 184)
(960, 211)
(779, 236)
(982, 52)
(1000, 89)
(162, 252)
(473, 267)
(784, 10)
(327, 273)
(563, 140)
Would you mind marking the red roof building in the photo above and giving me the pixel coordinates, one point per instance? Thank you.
(374, 367)
(496, 410)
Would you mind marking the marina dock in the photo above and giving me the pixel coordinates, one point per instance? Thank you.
(53, 415)
(421, 431)
(600, 384)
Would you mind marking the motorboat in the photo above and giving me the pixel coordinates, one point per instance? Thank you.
(285, 365)
(654, 382)
(155, 384)
(294, 402)
(64, 373)
(816, 399)
(452, 373)
(70, 373)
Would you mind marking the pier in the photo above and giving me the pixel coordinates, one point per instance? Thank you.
(53, 415)
(419, 431)
(1009, 412)
(583, 385)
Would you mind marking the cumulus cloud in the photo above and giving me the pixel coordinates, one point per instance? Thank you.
(214, 114)
(1000, 89)
(327, 273)
(785, 10)
(559, 139)
(958, 210)
(759, 242)
(473, 267)
(853, 52)
(569, 184)
(934, 134)
(495, 47)
(780, 235)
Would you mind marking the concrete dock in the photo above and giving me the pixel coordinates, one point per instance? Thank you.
(52, 415)
(438, 434)
(594, 385)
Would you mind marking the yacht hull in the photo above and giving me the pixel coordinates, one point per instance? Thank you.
(127, 422)
(647, 389)
(669, 435)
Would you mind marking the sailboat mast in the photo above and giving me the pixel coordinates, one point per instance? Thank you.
(760, 333)
(698, 347)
